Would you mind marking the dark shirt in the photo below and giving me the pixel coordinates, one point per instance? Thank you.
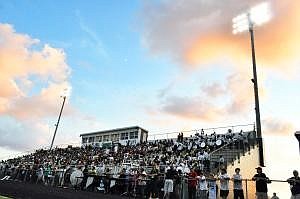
(295, 186)
(171, 174)
(155, 187)
(261, 182)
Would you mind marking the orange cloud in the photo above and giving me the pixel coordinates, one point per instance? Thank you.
(199, 32)
(19, 62)
(276, 42)
(33, 76)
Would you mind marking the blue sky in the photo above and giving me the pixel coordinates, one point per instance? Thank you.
(129, 66)
(103, 48)
(163, 65)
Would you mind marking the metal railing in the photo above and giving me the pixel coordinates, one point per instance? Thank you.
(133, 186)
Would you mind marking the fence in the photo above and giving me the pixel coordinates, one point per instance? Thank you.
(132, 187)
(208, 131)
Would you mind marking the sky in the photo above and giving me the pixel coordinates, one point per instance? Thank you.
(165, 65)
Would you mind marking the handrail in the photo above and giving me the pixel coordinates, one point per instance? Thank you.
(222, 147)
(211, 153)
(211, 128)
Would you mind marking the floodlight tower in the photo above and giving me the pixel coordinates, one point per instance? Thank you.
(64, 96)
(256, 16)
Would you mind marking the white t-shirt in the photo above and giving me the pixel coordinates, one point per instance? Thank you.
(224, 184)
(201, 157)
(212, 189)
(237, 184)
(202, 183)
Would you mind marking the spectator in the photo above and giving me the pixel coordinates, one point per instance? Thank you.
(202, 186)
(154, 187)
(212, 187)
(169, 183)
(142, 183)
(224, 184)
(295, 185)
(237, 185)
(261, 184)
(192, 183)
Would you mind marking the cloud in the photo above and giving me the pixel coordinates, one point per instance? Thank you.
(23, 134)
(214, 101)
(191, 107)
(276, 126)
(33, 76)
(198, 32)
(213, 90)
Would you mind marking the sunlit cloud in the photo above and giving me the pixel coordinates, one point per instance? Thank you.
(276, 126)
(206, 105)
(33, 76)
(201, 31)
(198, 34)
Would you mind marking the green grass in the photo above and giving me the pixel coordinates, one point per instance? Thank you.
(3, 197)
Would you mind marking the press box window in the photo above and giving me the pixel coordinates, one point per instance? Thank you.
(134, 135)
(84, 140)
(105, 138)
(124, 136)
(98, 138)
(91, 139)
(115, 137)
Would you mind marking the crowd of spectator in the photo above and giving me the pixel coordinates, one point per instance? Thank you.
(145, 168)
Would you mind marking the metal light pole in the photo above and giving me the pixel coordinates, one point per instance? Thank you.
(256, 16)
(297, 135)
(56, 125)
(256, 98)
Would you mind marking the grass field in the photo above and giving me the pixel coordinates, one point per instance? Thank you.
(3, 197)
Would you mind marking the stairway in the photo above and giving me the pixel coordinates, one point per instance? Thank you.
(231, 152)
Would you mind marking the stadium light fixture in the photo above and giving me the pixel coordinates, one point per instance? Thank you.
(66, 93)
(256, 16)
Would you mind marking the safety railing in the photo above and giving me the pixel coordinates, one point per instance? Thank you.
(137, 186)
(208, 131)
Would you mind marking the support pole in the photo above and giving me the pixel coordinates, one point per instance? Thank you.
(257, 110)
(56, 125)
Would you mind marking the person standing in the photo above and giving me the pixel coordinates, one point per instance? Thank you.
(237, 185)
(202, 186)
(169, 183)
(212, 187)
(261, 184)
(295, 185)
(154, 187)
(142, 183)
(224, 184)
(192, 182)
